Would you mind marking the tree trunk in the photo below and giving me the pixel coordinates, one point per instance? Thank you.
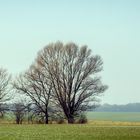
(17, 121)
(46, 118)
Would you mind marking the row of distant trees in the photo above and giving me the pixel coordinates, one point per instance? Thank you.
(62, 81)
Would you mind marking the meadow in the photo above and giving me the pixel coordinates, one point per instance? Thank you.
(68, 132)
(114, 116)
(99, 127)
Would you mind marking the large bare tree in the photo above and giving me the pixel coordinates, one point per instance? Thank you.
(72, 70)
(33, 84)
(4, 88)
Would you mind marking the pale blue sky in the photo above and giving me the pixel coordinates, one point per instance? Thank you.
(111, 28)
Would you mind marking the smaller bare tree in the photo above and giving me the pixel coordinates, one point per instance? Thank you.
(4, 89)
(19, 112)
(34, 85)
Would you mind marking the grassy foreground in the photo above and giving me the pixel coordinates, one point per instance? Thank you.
(69, 132)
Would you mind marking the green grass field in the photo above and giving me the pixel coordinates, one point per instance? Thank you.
(101, 126)
(68, 132)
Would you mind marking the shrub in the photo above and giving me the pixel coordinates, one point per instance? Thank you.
(82, 119)
(60, 120)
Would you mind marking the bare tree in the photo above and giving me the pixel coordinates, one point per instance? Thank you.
(34, 85)
(72, 70)
(4, 82)
(19, 112)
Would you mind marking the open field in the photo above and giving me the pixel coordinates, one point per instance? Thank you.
(68, 132)
(115, 116)
(101, 126)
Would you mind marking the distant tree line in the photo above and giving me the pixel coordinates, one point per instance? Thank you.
(62, 83)
(131, 107)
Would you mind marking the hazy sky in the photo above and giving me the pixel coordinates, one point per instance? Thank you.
(111, 28)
